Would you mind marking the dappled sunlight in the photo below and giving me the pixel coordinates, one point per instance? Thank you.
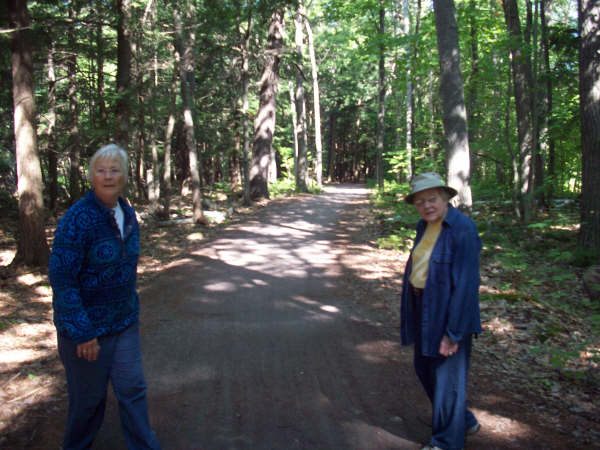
(223, 286)
(6, 256)
(30, 279)
(498, 424)
(371, 351)
(195, 236)
(499, 326)
(25, 342)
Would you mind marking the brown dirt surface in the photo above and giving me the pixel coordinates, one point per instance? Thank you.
(279, 330)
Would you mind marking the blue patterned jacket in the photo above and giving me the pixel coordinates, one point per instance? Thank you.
(93, 270)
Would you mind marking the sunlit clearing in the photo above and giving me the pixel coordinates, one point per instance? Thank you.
(329, 308)
(195, 237)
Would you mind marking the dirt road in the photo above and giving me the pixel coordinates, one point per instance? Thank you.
(258, 339)
(250, 343)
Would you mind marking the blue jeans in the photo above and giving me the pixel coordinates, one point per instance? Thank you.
(120, 361)
(445, 382)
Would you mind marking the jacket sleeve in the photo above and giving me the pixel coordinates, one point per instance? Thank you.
(463, 311)
(68, 252)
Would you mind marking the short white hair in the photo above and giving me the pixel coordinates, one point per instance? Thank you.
(110, 151)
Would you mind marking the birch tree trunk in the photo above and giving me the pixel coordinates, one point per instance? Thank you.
(32, 247)
(453, 103)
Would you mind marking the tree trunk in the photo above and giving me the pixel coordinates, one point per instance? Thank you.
(316, 104)
(302, 161)
(547, 132)
(32, 247)
(100, 68)
(589, 93)
(73, 116)
(186, 51)
(380, 100)
(123, 104)
(246, 120)
(294, 117)
(166, 178)
(51, 132)
(453, 103)
(264, 124)
(412, 49)
(521, 71)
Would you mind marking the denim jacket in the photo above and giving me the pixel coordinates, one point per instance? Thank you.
(93, 270)
(451, 296)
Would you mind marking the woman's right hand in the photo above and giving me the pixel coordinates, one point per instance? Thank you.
(89, 350)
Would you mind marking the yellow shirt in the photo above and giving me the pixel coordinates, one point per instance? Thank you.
(422, 253)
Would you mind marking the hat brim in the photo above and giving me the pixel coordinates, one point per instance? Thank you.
(410, 199)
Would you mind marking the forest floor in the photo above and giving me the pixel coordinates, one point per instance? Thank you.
(534, 381)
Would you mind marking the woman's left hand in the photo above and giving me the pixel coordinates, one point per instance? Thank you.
(447, 347)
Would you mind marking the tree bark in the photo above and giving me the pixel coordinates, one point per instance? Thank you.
(123, 104)
(589, 80)
(316, 104)
(521, 71)
(32, 247)
(185, 46)
(380, 100)
(73, 116)
(547, 131)
(51, 132)
(166, 178)
(453, 103)
(246, 120)
(302, 160)
(264, 124)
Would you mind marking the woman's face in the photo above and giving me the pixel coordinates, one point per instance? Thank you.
(431, 205)
(108, 181)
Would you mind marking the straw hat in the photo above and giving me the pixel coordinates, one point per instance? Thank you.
(427, 180)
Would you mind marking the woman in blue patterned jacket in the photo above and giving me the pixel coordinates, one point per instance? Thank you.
(440, 307)
(92, 271)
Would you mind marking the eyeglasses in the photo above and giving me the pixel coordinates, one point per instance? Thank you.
(431, 200)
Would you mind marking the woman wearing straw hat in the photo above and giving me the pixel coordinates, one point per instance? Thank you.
(440, 307)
